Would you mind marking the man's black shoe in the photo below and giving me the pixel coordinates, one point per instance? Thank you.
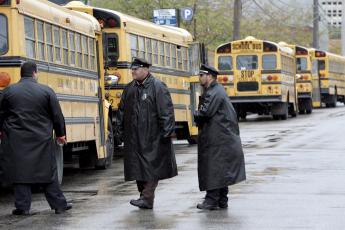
(223, 205)
(19, 212)
(141, 203)
(59, 210)
(207, 206)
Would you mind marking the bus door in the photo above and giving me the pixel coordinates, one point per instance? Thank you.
(316, 84)
(247, 75)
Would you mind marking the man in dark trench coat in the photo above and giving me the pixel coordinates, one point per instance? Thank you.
(29, 112)
(146, 123)
(220, 154)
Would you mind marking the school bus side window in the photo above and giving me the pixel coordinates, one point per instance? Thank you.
(30, 37)
(269, 61)
(179, 58)
(40, 38)
(65, 47)
(85, 51)
(225, 63)
(134, 45)
(72, 48)
(148, 50)
(161, 53)
(49, 41)
(141, 47)
(57, 44)
(3, 35)
(173, 56)
(79, 53)
(92, 53)
(185, 58)
(167, 54)
(155, 51)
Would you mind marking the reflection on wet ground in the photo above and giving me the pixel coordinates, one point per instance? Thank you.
(294, 173)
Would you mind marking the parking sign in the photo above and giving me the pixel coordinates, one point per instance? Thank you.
(186, 14)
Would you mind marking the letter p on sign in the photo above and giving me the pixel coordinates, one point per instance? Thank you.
(187, 14)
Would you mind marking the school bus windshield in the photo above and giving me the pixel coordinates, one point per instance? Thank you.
(3, 35)
(302, 63)
(225, 63)
(247, 62)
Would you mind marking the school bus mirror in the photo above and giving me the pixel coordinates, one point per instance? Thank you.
(111, 79)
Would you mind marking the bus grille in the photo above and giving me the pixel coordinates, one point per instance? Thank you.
(248, 86)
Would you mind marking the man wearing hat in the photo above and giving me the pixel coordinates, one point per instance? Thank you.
(146, 123)
(220, 154)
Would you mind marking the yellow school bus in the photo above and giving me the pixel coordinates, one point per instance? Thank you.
(67, 47)
(304, 77)
(331, 73)
(259, 77)
(172, 52)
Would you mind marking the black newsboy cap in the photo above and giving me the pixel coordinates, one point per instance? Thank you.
(205, 69)
(140, 62)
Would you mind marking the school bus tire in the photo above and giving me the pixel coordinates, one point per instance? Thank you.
(59, 162)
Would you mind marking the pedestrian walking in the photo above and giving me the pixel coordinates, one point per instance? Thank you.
(29, 112)
(146, 123)
(220, 154)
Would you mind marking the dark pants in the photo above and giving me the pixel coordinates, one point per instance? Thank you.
(52, 192)
(147, 190)
(217, 196)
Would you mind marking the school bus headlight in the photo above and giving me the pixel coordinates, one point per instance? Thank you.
(118, 95)
(264, 78)
(231, 78)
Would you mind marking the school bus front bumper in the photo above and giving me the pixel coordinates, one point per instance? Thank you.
(256, 99)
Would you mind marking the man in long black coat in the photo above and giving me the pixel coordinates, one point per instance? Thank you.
(220, 154)
(29, 112)
(146, 123)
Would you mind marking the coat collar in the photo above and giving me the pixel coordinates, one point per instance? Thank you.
(146, 82)
(27, 79)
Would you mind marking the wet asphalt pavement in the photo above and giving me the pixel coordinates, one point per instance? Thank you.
(295, 180)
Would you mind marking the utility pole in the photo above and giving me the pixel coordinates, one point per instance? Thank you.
(343, 31)
(316, 19)
(237, 19)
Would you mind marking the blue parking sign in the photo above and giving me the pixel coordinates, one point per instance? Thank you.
(186, 14)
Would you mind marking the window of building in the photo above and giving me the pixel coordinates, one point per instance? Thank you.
(30, 37)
